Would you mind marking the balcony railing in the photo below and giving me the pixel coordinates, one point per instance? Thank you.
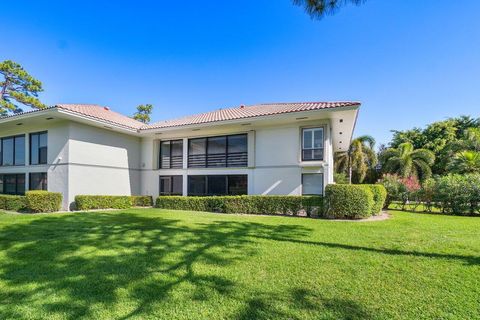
(173, 162)
(218, 160)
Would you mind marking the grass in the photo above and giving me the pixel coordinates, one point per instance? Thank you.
(151, 264)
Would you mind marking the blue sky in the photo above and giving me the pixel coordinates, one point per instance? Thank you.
(408, 62)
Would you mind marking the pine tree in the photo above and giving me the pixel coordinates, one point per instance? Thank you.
(143, 113)
(317, 9)
(18, 87)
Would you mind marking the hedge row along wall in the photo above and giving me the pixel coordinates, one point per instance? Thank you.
(12, 203)
(33, 201)
(353, 201)
(91, 202)
(284, 205)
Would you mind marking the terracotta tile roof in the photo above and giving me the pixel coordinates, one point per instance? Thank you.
(244, 112)
(104, 114)
(101, 113)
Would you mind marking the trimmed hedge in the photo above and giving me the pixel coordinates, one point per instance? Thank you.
(142, 201)
(91, 202)
(12, 203)
(43, 201)
(284, 205)
(348, 201)
(379, 197)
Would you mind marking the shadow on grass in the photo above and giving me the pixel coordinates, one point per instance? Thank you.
(268, 306)
(68, 264)
(469, 260)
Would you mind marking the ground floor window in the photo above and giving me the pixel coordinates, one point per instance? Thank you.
(171, 185)
(312, 184)
(217, 185)
(38, 181)
(12, 183)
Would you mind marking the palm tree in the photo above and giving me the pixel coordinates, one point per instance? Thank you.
(465, 162)
(317, 9)
(358, 159)
(406, 161)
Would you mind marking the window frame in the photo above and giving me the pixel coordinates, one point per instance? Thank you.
(303, 149)
(218, 160)
(38, 134)
(14, 151)
(322, 179)
(3, 177)
(227, 178)
(171, 179)
(160, 158)
(44, 183)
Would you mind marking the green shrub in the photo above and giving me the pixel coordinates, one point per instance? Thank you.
(90, 202)
(286, 205)
(348, 201)
(458, 194)
(43, 201)
(142, 201)
(12, 203)
(379, 197)
(340, 178)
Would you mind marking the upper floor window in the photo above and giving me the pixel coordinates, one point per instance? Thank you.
(12, 151)
(221, 151)
(171, 154)
(312, 144)
(38, 148)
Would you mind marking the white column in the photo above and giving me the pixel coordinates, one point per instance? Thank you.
(251, 148)
(185, 153)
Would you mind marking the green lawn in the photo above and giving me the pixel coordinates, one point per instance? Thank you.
(164, 264)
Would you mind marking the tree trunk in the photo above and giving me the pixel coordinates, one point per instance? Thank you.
(349, 169)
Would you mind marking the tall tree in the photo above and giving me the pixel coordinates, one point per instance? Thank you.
(317, 9)
(143, 113)
(408, 161)
(466, 152)
(443, 138)
(18, 87)
(359, 158)
(465, 162)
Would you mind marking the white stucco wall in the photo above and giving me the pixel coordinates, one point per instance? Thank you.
(102, 162)
(82, 159)
(275, 165)
(57, 157)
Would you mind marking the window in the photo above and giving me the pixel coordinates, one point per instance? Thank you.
(12, 184)
(217, 185)
(312, 144)
(38, 181)
(12, 151)
(38, 148)
(171, 154)
(312, 184)
(171, 185)
(197, 185)
(221, 151)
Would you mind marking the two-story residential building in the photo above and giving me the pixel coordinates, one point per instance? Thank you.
(279, 148)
